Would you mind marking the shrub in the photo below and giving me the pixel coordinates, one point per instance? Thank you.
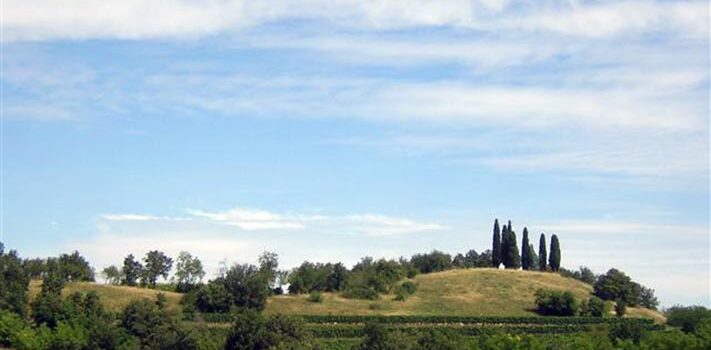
(403, 291)
(213, 297)
(556, 303)
(10, 325)
(593, 307)
(620, 308)
(361, 293)
(251, 331)
(315, 297)
(687, 318)
(432, 262)
(626, 331)
(440, 339)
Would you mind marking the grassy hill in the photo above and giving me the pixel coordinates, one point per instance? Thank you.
(114, 298)
(471, 292)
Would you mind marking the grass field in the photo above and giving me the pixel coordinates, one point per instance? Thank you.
(114, 298)
(472, 292)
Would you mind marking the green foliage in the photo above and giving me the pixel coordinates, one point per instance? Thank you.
(620, 308)
(248, 287)
(316, 276)
(688, 318)
(213, 297)
(526, 258)
(440, 339)
(593, 307)
(615, 285)
(188, 272)
(647, 298)
(542, 253)
(111, 274)
(405, 290)
(359, 292)
(11, 324)
(131, 271)
(556, 303)
(496, 245)
(555, 255)
(380, 275)
(251, 331)
(432, 262)
(315, 297)
(583, 274)
(46, 307)
(156, 264)
(509, 249)
(626, 331)
(73, 267)
(13, 282)
(154, 328)
(377, 337)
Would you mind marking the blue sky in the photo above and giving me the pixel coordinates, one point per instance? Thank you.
(331, 130)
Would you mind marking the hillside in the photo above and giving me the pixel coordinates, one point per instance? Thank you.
(471, 292)
(114, 298)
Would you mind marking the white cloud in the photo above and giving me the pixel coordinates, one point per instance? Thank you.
(136, 19)
(366, 224)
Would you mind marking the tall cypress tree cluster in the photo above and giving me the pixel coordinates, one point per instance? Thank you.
(505, 250)
(554, 259)
(509, 248)
(496, 245)
(542, 253)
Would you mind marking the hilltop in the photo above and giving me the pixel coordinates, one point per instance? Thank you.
(461, 292)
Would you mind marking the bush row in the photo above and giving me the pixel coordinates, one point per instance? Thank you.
(507, 320)
(469, 319)
(355, 331)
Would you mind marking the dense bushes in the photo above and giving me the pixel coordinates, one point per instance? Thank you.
(615, 285)
(252, 331)
(405, 290)
(556, 303)
(593, 307)
(432, 262)
(687, 318)
(13, 282)
(317, 277)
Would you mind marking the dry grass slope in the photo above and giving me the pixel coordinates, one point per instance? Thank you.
(473, 292)
(114, 298)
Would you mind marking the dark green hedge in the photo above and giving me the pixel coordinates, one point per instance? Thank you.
(480, 320)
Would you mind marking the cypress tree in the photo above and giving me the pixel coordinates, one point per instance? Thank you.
(542, 264)
(532, 261)
(511, 256)
(496, 245)
(503, 250)
(525, 248)
(554, 259)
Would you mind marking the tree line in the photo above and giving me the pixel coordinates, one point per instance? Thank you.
(504, 250)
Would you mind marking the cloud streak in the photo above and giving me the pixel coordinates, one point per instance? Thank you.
(136, 19)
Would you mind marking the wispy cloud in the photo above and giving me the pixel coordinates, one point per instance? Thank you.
(248, 219)
(136, 19)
